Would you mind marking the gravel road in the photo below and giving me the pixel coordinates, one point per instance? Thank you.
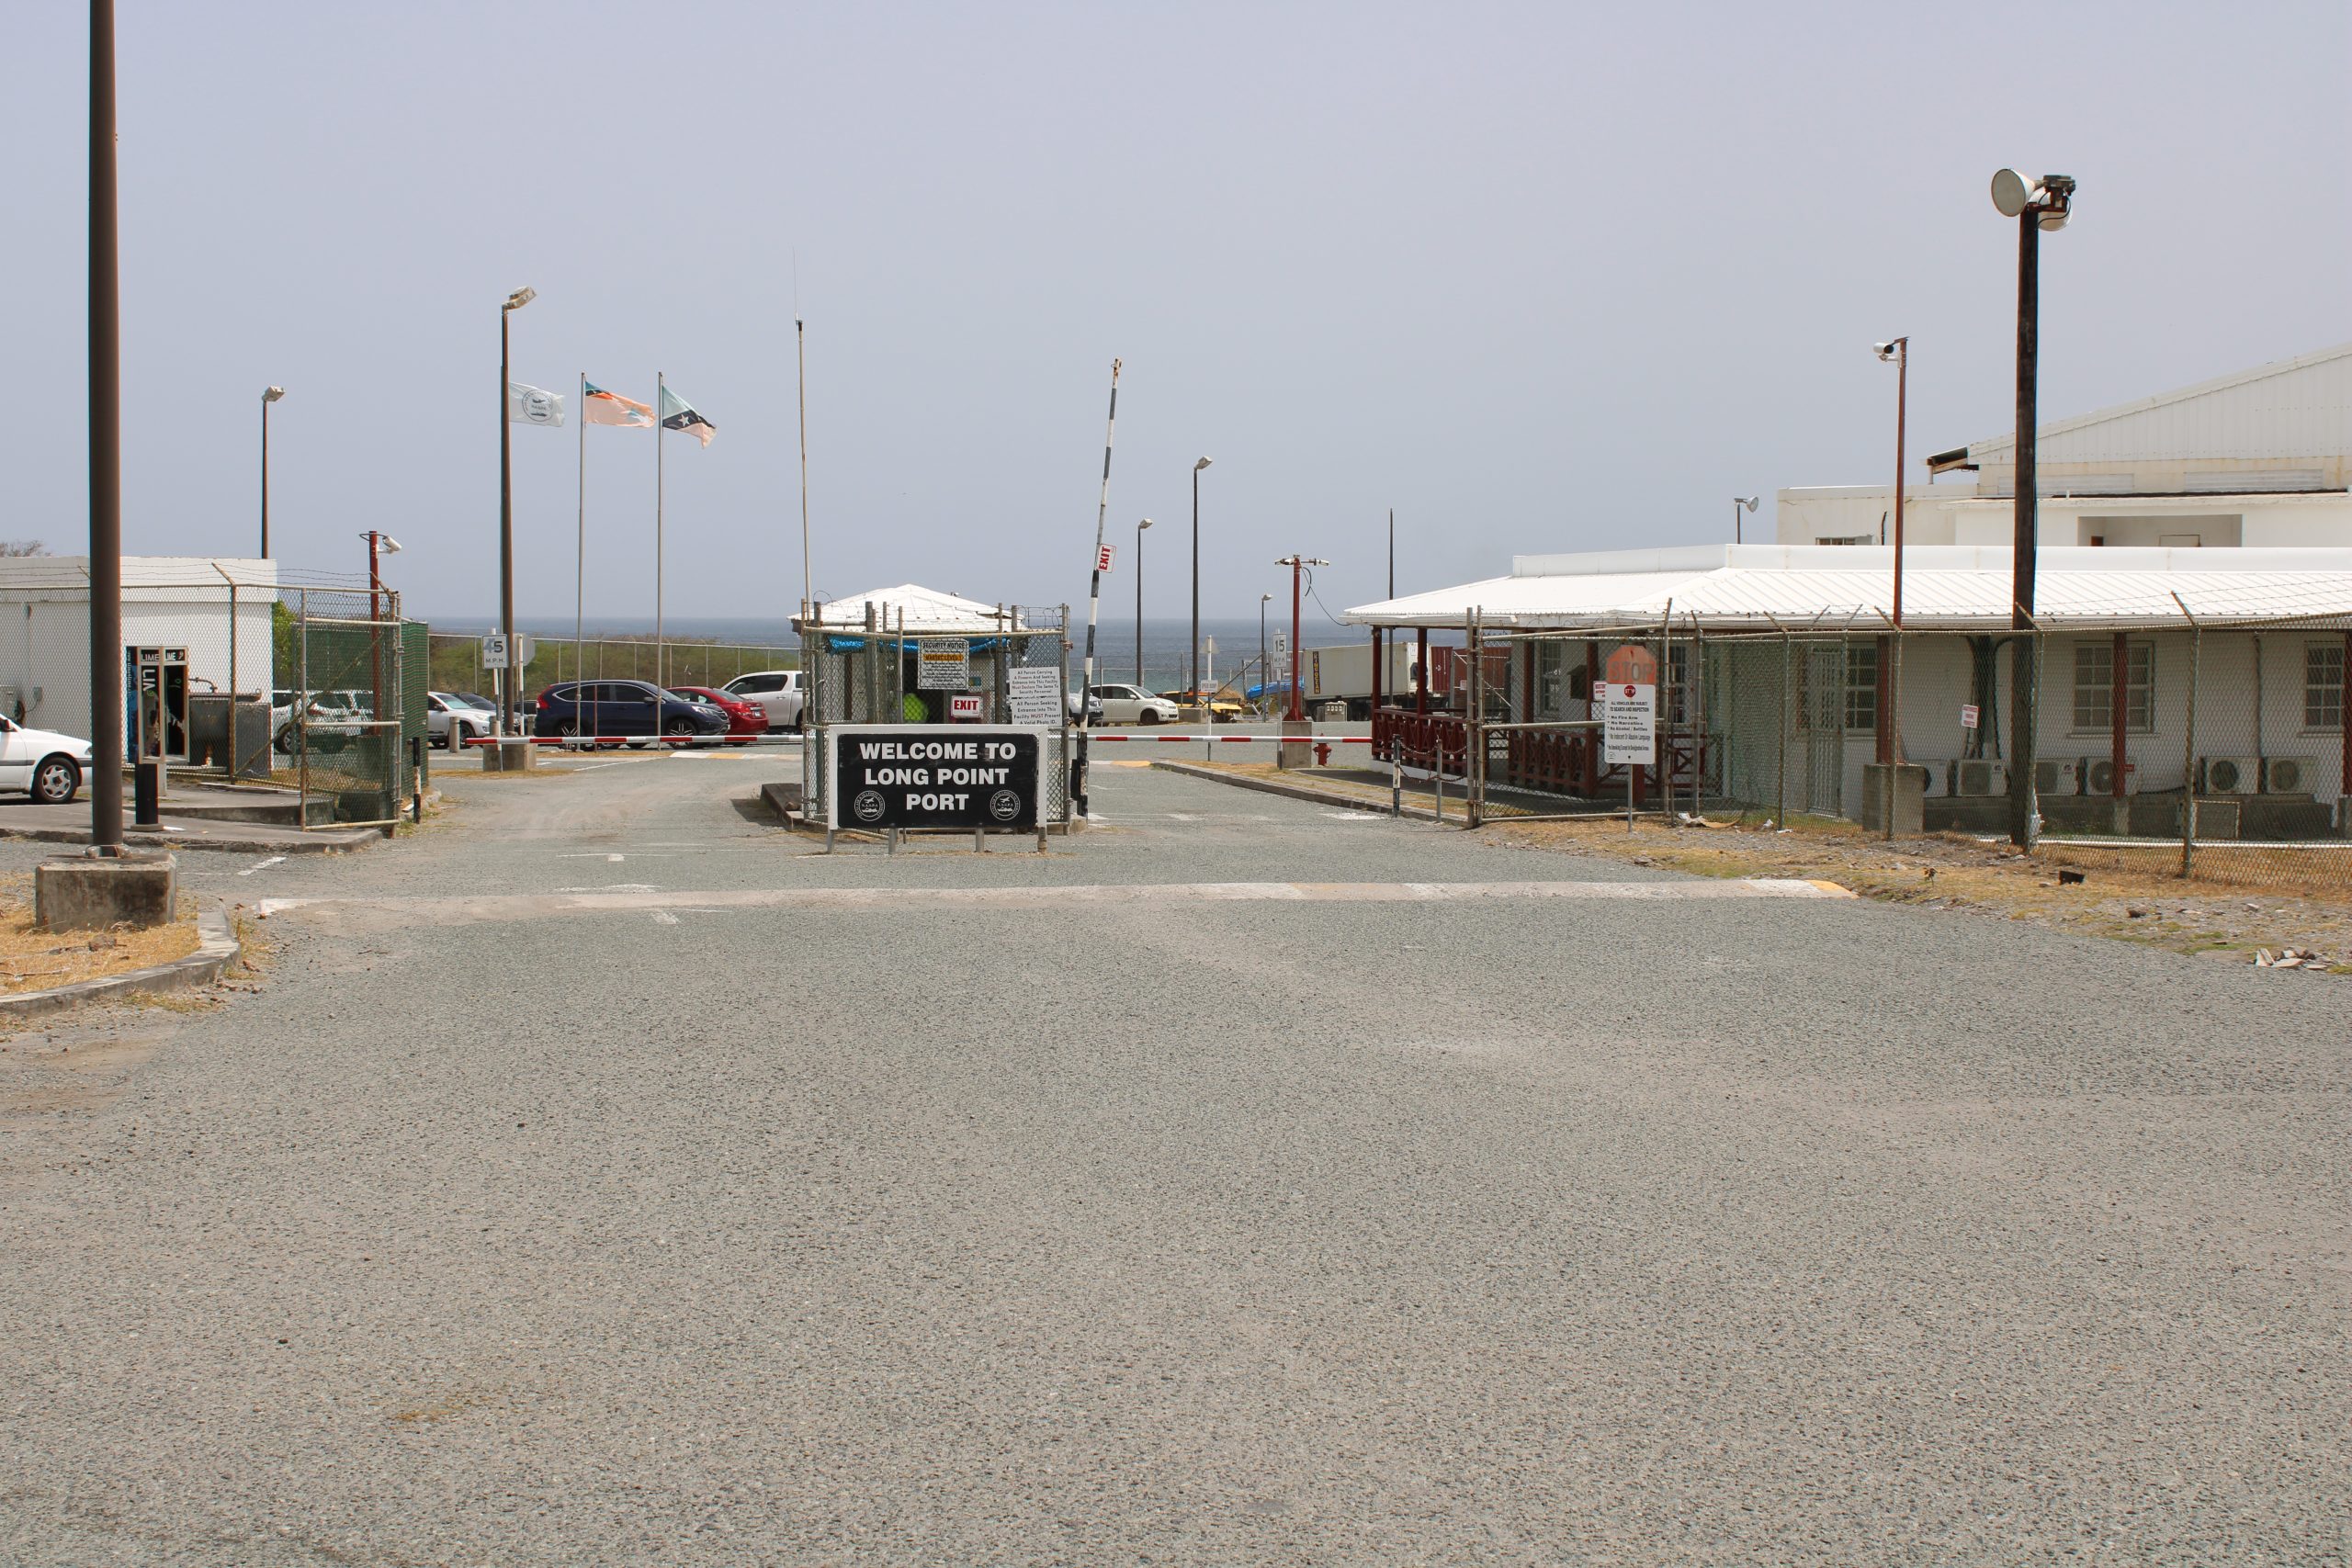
(569, 1193)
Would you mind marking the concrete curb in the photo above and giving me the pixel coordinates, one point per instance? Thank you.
(1305, 792)
(343, 842)
(216, 949)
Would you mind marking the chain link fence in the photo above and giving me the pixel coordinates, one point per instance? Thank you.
(873, 675)
(2208, 748)
(456, 662)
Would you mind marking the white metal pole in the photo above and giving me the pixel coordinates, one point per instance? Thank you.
(659, 384)
(1101, 515)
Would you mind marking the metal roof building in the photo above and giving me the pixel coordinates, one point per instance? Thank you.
(2260, 457)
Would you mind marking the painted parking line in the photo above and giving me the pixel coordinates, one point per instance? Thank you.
(904, 900)
(263, 865)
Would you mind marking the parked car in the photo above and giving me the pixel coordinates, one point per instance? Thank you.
(452, 719)
(782, 694)
(43, 763)
(1133, 705)
(573, 708)
(745, 719)
(1224, 707)
(1090, 715)
(332, 718)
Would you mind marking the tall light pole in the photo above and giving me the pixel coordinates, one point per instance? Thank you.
(269, 396)
(1896, 351)
(1298, 564)
(1139, 528)
(514, 302)
(106, 451)
(1193, 655)
(2037, 205)
(1738, 503)
(379, 544)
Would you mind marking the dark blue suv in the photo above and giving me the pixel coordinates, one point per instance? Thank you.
(577, 709)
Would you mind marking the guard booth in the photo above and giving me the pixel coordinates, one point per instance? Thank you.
(911, 655)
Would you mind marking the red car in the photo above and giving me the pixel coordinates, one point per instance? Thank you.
(744, 719)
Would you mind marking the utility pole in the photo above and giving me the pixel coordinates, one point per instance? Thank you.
(1298, 564)
(269, 396)
(105, 453)
(1192, 650)
(2038, 205)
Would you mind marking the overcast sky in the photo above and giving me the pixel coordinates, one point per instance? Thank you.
(1540, 277)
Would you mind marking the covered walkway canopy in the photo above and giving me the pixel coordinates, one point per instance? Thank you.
(1850, 586)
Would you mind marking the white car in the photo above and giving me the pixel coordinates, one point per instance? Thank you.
(1133, 705)
(779, 693)
(452, 719)
(44, 764)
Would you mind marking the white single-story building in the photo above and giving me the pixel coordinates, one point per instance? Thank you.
(2261, 458)
(1783, 702)
(209, 618)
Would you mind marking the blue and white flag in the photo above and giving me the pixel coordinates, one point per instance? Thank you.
(679, 415)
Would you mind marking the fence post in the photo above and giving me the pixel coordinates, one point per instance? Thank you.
(1474, 729)
(2188, 744)
(1781, 807)
(301, 716)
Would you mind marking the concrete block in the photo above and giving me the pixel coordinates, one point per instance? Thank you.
(1296, 753)
(1901, 787)
(509, 756)
(93, 892)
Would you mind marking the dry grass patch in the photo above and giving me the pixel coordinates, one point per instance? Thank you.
(32, 959)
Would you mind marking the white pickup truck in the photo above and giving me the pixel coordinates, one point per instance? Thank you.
(778, 693)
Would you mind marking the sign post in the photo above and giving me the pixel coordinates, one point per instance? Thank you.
(1629, 716)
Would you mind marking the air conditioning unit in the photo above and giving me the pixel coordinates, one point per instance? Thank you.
(2229, 775)
(1980, 775)
(2099, 775)
(2053, 776)
(2290, 775)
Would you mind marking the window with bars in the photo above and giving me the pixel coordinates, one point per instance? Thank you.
(2323, 686)
(1838, 689)
(1551, 680)
(2095, 687)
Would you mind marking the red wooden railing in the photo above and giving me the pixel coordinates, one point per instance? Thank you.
(1556, 762)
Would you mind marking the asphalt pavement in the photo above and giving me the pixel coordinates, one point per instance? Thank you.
(602, 1175)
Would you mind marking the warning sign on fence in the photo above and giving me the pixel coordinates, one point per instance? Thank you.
(1628, 723)
(943, 664)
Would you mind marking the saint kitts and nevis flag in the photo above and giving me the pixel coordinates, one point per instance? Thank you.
(679, 415)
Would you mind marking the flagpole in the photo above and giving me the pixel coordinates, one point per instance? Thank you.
(579, 555)
(800, 335)
(659, 383)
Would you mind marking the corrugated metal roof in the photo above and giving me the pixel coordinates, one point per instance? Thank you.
(1944, 586)
(2295, 408)
(924, 609)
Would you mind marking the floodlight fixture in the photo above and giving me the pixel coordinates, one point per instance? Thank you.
(520, 298)
(271, 394)
(1199, 466)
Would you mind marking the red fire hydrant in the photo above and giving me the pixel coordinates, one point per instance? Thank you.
(1322, 753)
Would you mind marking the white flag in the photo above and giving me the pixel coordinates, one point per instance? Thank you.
(533, 406)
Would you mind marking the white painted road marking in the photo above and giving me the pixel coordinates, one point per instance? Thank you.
(663, 918)
(264, 865)
(901, 900)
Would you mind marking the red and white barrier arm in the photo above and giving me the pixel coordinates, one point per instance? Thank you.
(1097, 737)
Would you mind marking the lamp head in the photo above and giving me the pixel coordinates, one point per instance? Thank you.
(2050, 199)
(385, 543)
(1142, 526)
(1749, 502)
(1199, 466)
(271, 394)
(520, 298)
(1889, 349)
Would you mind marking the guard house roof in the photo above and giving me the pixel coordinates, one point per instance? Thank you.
(926, 612)
(1756, 587)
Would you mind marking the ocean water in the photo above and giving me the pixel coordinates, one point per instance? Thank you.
(1164, 640)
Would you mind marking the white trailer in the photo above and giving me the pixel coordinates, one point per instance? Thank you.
(1336, 683)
